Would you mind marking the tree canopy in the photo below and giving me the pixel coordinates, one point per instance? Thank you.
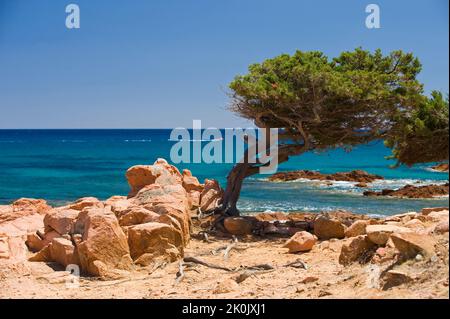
(324, 103)
(421, 134)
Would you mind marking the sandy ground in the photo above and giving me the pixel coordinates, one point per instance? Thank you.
(323, 278)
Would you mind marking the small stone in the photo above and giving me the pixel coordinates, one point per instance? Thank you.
(301, 241)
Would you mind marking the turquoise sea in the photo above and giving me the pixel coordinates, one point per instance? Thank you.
(63, 165)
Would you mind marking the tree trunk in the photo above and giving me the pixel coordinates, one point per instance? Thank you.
(228, 205)
(233, 190)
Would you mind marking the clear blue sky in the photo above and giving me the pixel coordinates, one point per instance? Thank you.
(154, 64)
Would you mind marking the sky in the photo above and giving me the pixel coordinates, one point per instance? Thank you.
(162, 64)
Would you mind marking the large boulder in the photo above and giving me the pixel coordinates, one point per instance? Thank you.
(193, 188)
(379, 234)
(357, 228)
(326, 228)
(60, 220)
(354, 249)
(239, 225)
(301, 241)
(160, 173)
(24, 216)
(23, 207)
(411, 244)
(152, 241)
(104, 245)
(211, 195)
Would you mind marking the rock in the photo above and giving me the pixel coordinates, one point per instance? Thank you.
(393, 278)
(439, 216)
(136, 215)
(211, 195)
(379, 234)
(301, 241)
(353, 176)
(154, 240)
(238, 225)
(361, 185)
(104, 246)
(326, 228)
(309, 279)
(84, 202)
(226, 286)
(355, 249)
(35, 243)
(171, 200)
(63, 252)
(428, 210)
(119, 204)
(357, 228)
(4, 247)
(23, 207)
(442, 227)
(60, 220)
(160, 173)
(411, 191)
(441, 167)
(411, 244)
(415, 224)
(13, 232)
(191, 183)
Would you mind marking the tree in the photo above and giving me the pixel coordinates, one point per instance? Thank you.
(321, 104)
(420, 134)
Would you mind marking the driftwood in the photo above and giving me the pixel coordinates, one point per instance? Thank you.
(180, 273)
(204, 263)
(297, 264)
(249, 273)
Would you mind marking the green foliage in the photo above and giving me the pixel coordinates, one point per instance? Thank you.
(324, 103)
(420, 134)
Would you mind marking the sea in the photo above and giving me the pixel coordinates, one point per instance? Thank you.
(64, 165)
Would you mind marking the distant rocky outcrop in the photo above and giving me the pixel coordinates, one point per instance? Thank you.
(411, 191)
(358, 176)
(441, 168)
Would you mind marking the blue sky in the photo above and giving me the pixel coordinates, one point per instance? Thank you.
(159, 64)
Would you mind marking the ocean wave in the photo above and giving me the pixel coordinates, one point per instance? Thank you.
(73, 141)
(196, 140)
(138, 141)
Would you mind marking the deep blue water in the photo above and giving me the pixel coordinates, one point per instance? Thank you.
(63, 165)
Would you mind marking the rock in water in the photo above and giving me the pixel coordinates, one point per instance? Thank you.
(301, 241)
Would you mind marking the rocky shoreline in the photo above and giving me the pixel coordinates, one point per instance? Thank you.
(157, 243)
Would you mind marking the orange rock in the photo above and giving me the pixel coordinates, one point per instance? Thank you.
(301, 241)
(160, 173)
(84, 202)
(238, 225)
(211, 195)
(60, 220)
(357, 228)
(104, 246)
(411, 244)
(154, 240)
(354, 249)
(379, 234)
(326, 228)
(63, 252)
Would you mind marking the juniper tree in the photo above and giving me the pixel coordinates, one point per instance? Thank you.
(320, 103)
